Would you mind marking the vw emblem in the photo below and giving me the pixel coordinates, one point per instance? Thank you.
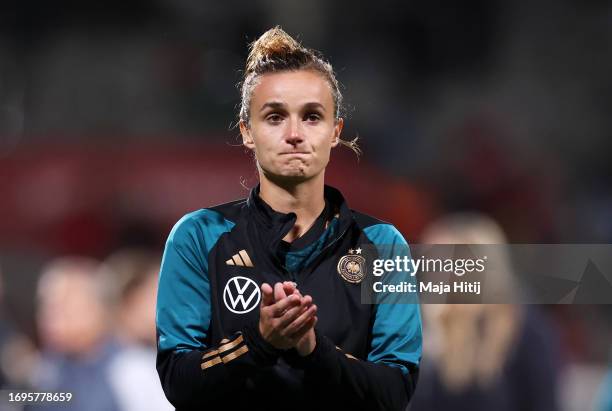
(241, 295)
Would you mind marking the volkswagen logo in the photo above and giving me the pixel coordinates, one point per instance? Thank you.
(241, 295)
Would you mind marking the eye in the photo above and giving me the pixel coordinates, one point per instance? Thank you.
(274, 118)
(312, 117)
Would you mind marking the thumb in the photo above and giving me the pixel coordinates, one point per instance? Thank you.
(267, 295)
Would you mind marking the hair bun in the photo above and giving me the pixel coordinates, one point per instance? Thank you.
(273, 44)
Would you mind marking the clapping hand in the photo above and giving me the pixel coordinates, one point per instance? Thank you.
(286, 318)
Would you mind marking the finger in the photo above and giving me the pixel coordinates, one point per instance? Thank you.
(267, 294)
(291, 315)
(279, 293)
(297, 324)
(304, 329)
(306, 300)
(289, 287)
(279, 308)
(305, 303)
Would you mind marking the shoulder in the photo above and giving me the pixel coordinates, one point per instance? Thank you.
(378, 231)
(206, 223)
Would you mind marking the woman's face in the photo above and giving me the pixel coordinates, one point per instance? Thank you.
(292, 128)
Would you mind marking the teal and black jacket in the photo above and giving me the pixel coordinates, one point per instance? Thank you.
(210, 352)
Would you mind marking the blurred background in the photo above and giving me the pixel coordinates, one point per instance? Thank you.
(117, 118)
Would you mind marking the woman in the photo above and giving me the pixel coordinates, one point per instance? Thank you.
(486, 356)
(259, 300)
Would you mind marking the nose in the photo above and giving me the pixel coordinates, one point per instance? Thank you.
(294, 137)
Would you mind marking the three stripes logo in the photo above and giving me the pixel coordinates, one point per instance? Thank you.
(227, 351)
(241, 259)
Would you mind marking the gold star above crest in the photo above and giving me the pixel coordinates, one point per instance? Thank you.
(351, 251)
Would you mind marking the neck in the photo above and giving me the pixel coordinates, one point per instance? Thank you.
(305, 199)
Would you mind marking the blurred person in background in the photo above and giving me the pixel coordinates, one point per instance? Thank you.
(134, 273)
(230, 340)
(74, 316)
(485, 356)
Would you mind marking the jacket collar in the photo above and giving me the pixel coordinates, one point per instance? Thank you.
(274, 226)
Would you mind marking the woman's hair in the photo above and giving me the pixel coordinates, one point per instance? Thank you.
(471, 343)
(130, 269)
(277, 51)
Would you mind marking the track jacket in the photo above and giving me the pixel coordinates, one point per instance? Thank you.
(210, 353)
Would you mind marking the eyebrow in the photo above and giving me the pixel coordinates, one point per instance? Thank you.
(272, 105)
(314, 105)
(275, 105)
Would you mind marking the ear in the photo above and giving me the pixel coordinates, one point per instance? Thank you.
(337, 131)
(247, 139)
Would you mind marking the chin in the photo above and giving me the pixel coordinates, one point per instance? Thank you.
(293, 178)
(289, 177)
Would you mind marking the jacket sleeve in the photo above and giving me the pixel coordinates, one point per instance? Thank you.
(192, 372)
(387, 378)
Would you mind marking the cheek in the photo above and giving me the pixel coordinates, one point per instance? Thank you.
(325, 155)
(324, 140)
(266, 141)
(260, 154)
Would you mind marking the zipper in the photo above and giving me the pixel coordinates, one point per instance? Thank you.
(293, 276)
(324, 250)
(286, 273)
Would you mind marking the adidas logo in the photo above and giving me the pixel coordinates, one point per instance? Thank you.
(241, 259)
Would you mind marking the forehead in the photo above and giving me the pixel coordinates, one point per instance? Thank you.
(63, 283)
(292, 87)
